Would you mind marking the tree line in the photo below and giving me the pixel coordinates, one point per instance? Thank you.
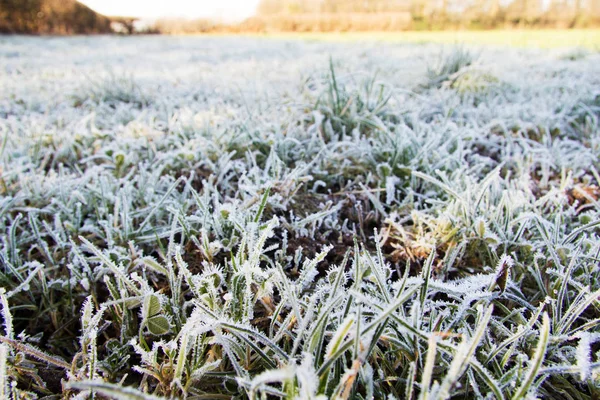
(426, 14)
(398, 15)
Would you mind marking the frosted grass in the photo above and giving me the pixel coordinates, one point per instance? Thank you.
(245, 218)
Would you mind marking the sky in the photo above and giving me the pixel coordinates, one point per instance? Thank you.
(229, 10)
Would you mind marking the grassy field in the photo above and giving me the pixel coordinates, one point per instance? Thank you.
(241, 218)
(546, 39)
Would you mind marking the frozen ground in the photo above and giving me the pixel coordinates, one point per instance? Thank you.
(244, 217)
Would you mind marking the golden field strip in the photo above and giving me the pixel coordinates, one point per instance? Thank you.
(551, 38)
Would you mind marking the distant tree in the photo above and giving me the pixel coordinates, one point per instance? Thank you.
(50, 17)
(269, 7)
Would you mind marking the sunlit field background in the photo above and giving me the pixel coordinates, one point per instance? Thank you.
(586, 38)
(348, 216)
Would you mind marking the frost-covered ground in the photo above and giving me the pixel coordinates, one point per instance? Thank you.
(236, 217)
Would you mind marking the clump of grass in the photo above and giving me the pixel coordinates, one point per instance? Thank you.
(473, 82)
(342, 110)
(447, 67)
(111, 89)
(575, 54)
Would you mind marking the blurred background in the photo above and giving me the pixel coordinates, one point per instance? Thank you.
(65, 17)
